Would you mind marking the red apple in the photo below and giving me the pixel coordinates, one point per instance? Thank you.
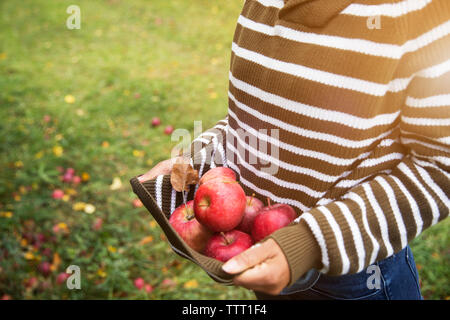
(190, 230)
(225, 245)
(37, 245)
(220, 173)
(97, 224)
(148, 288)
(62, 277)
(270, 219)
(252, 209)
(220, 205)
(45, 285)
(137, 203)
(156, 122)
(47, 252)
(139, 283)
(45, 268)
(28, 236)
(57, 194)
(31, 282)
(168, 283)
(67, 177)
(40, 237)
(76, 180)
(168, 130)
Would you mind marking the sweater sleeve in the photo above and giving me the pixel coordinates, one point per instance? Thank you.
(378, 217)
(208, 149)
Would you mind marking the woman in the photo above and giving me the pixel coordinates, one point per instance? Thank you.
(353, 100)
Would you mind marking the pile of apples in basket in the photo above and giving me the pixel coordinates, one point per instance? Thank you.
(222, 221)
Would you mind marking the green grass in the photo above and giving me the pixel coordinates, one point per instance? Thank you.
(130, 61)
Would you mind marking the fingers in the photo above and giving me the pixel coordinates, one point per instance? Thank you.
(249, 258)
(162, 168)
(263, 268)
(259, 278)
(269, 276)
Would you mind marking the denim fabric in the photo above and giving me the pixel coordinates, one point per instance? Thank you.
(399, 280)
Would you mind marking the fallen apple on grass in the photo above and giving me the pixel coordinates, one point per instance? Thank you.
(76, 180)
(168, 130)
(45, 268)
(225, 245)
(148, 288)
(58, 194)
(139, 283)
(137, 203)
(190, 230)
(67, 177)
(31, 283)
(62, 277)
(156, 122)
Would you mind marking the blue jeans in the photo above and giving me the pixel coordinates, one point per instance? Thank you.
(398, 280)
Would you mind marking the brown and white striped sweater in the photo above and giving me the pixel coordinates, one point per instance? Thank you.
(363, 119)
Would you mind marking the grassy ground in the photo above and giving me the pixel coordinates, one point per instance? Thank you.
(84, 99)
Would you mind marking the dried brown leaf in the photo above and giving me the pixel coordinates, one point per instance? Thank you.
(183, 175)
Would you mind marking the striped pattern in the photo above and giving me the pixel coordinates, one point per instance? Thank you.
(363, 120)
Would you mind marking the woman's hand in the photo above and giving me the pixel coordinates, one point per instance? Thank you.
(262, 268)
(162, 168)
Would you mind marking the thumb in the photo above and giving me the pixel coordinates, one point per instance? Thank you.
(249, 258)
(162, 168)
